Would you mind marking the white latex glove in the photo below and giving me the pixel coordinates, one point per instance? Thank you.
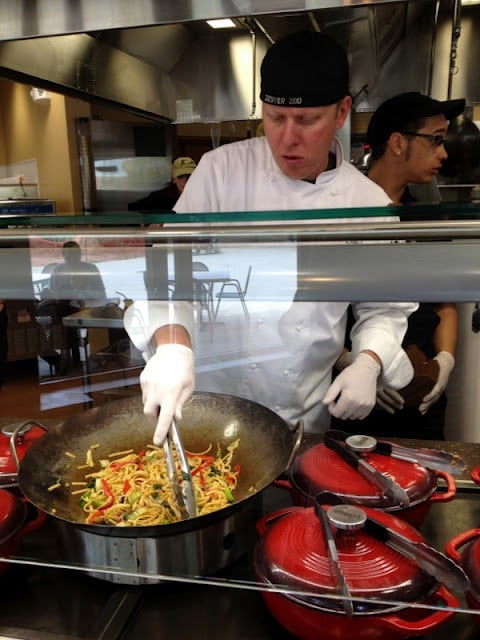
(389, 400)
(446, 362)
(167, 382)
(351, 396)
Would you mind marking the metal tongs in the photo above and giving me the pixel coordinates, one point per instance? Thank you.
(335, 440)
(433, 562)
(183, 491)
(429, 458)
(340, 582)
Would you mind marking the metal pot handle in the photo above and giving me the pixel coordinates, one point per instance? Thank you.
(20, 429)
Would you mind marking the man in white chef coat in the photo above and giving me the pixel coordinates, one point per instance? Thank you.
(297, 165)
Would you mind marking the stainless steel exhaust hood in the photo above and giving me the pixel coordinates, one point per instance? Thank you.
(160, 59)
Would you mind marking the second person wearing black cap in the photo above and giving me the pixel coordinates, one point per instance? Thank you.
(297, 165)
(407, 135)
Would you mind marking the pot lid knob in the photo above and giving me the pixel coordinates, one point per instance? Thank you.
(346, 517)
(361, 443)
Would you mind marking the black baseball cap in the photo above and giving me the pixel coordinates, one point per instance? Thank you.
(304, 69)
(400, 111)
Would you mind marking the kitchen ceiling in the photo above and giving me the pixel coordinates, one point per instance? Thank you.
(161, 59)
(59, 17)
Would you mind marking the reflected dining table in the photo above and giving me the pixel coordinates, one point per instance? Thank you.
(209, 279)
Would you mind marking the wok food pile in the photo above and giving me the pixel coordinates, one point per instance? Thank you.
(133, 488)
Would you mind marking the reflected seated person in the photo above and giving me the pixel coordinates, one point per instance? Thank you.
(76, 280)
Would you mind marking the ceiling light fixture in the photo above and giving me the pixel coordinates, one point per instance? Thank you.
(224, 23)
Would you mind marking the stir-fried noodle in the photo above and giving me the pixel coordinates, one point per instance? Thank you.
(132, 489)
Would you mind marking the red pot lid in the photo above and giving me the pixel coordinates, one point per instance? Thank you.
(25, 437)
(294, 552)
(12, 514)
(321, 469)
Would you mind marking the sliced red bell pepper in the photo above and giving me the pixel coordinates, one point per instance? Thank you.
(108, 493)
(201, 467)
(94, 515)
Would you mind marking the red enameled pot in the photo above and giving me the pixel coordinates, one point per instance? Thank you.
(320, 469)
(293, 561)
(17, 518)
(464, 549)
(475, 475)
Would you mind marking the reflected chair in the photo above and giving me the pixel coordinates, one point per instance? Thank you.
(48, 268)
(42, 289)
(232, 290)
(201, 290)
(57, 343)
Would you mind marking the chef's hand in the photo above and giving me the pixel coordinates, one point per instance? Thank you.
(351, 396)
(167, 382)
(446, 362)
(389, 400)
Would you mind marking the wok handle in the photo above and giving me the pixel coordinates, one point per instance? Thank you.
(270, 518)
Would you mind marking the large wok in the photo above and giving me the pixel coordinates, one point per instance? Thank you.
(267, 444)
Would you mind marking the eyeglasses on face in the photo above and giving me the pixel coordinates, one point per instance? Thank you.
(437, 141)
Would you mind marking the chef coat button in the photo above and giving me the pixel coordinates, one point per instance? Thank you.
(253, 365)
(298, 327)
(286, 372)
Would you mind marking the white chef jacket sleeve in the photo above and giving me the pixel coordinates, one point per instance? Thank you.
(144, 317)
(381, 327)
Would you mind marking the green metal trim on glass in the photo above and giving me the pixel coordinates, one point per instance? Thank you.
(441, 211)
